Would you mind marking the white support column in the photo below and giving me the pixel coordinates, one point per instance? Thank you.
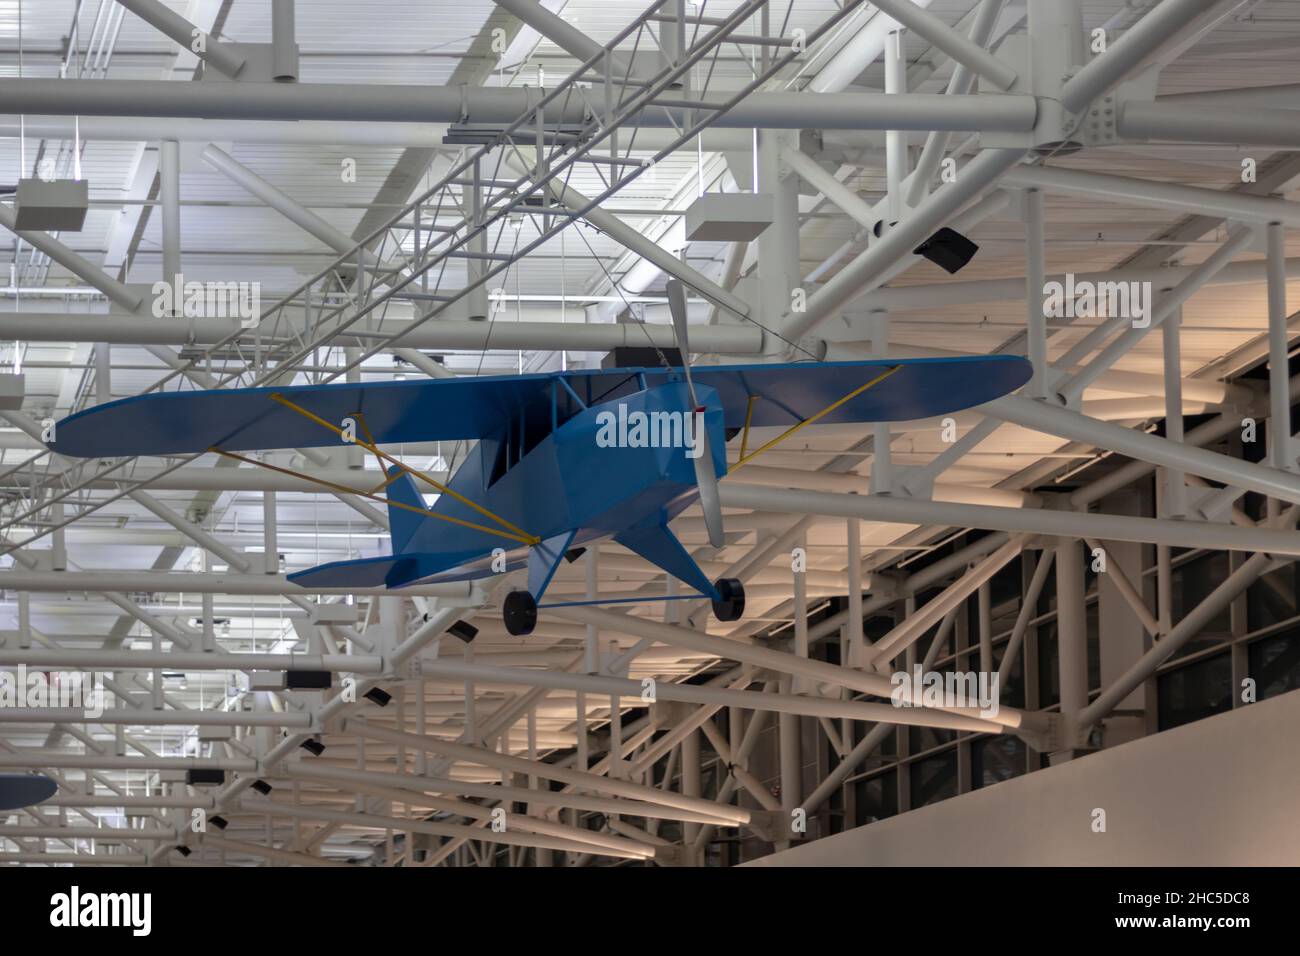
(478, 303)
(270, 536)
(800, 610)
(778, 244)
(1175, 493)
(985, 603)
(169, 192)
(791, 766)
(24, 620)
(103, 353)
(853, 631)
(691, 785)
(1279, 396)
(284, 48)
(895, 145)
(1071, 630)
(1035, 279)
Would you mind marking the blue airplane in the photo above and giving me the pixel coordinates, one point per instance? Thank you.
(562, 459)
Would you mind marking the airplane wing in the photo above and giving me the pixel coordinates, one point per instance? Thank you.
(173, 423)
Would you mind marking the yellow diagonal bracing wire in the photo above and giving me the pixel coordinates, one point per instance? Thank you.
(384, 456)
(344, 489)
(809, 420)
(749, 413)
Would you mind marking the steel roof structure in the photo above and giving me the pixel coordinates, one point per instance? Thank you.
(395, 191)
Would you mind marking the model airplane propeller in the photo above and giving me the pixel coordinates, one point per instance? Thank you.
(705, 477)
(562, 459)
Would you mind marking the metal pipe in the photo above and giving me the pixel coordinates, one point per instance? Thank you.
(959, 84)
(1069, 424)
(282, 203)
(33, 758)
(169, 191)
(284, 48)
(564, 35)
(1153, 32)
(1002, 112)
(896, 510)
(963, 51)
(846, 64)
(200, 661)
(583, 780)
(915, 625)
(1191, 625)
(117, 292)
(1013, 289)
(184, 582)
(171, 24)
(819, 671)
(692, 694)
(1279, 342)
(1035, 268)
(449, 334)
(869, 268)
(1245, 125)
(1071, 627)
(131, 129)
(1144, 192)
(156, 718)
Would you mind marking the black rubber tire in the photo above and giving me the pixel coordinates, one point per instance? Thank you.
(519, 613)
(732, 602)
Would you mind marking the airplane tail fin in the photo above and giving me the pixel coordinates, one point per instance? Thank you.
(402, 521)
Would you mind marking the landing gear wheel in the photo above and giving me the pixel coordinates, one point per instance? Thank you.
(519, 613)
(731, 603)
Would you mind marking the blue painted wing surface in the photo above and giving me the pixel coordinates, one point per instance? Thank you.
(172, 423)
(19, 790)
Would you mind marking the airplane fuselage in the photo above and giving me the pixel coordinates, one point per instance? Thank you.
(609, 467)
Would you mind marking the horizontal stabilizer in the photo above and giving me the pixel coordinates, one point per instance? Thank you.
(386, 571)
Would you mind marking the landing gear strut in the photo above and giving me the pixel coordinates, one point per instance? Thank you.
(520, 613)
(731, 601)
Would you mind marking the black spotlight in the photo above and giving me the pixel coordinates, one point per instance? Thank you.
(948, 249)
(204, 776)
(464, 630)
(262, 787)
(573, 554)
(313, 746)
(377, 695)
(184, 850)
(308, 680)
(219, 822)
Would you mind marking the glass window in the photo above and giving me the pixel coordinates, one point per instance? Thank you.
(994, 759)
(1273, 598)
(1275, 663)
(1201, 689)
(875, 798)
(1191, 583)
(934, 778)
